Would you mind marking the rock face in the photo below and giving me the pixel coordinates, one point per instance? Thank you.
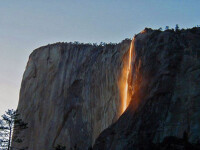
(165, 105)
(69, 94)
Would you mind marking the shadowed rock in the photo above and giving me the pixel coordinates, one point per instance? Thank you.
(166, 99)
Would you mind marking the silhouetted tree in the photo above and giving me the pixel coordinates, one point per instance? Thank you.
(167, 28)
(10, 121)
(76, 42)
(102, 44)
(95, 44)
(177, 27)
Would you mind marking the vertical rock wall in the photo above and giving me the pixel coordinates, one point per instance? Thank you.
(69, 94)
(166, 94)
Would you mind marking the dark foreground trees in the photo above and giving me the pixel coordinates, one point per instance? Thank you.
(10, 122)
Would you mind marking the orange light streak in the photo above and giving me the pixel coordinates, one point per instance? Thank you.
(124, 84)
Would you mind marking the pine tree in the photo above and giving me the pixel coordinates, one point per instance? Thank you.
(177, 27)
(167, 28)
(10, 122)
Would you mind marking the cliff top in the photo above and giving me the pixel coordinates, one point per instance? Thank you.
(194, 30)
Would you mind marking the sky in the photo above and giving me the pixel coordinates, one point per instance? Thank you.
(28, 24)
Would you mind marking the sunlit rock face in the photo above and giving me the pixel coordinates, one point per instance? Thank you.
(165, 106)
(69, 94)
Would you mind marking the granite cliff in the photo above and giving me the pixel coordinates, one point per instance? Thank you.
(164, 112)
(69, 94)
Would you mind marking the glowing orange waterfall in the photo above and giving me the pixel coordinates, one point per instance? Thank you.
(124, 84)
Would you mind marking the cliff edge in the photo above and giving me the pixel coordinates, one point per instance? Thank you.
(69, 94)
(164, 112)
